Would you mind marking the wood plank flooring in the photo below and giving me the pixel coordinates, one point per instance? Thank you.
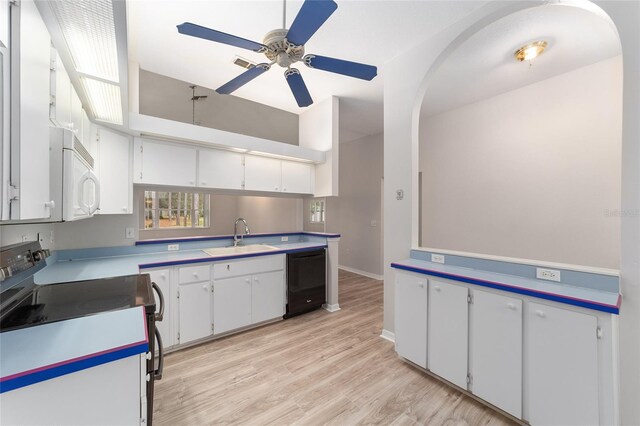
(318, 368)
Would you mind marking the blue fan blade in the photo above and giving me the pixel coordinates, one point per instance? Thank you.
(312, 15)
(339, 66)
(298, 88)
(208, 34)
(242, 79)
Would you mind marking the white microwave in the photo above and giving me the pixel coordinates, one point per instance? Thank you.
(75, 188)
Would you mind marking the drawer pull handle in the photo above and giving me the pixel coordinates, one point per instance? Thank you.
(195, 274)
(205, 287)
(436, 288)
(541, 314)
(228, 267)
(511, 306)
(308, 300)
(247, 280)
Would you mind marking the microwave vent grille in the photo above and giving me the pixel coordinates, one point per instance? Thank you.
(80, 149)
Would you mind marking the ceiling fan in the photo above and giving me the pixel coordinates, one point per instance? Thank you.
(285, 47)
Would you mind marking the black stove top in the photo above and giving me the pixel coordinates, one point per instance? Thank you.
(58, 302)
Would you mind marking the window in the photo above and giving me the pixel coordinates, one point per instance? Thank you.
(164, 210)
(317, 211)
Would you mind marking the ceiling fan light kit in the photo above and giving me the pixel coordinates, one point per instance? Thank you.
(284, 48)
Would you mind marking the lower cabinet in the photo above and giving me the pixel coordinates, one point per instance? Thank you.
(162, 278)
(495, 353)
(195, 311)
(562, 359)
(231, 303)
(411, 318)
(448, 331)
(245, 300)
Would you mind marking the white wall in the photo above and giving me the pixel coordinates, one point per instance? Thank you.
(405, 87)
(319, 129)
(533, 173)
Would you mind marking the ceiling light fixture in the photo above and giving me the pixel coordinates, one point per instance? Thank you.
(530, 51)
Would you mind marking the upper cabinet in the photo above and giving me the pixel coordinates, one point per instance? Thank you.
(30, 78)
(220, 169)
(297, 177)
(162, 163)
(76, 115)
(4, 23)
(262, 174)
(116, 194)
(60, 109)
(159, 163)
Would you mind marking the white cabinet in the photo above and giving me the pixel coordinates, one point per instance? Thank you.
(60, 111)
(30, 81)
(297, 177)
(562, 356)
(411, 318)
(262, 174)
(161, 163)
(220, 169)
(116, 180)
(162, 278)
(195, 311)
(448, 331)
(4, 23)
(76, 115)
(267, 296)
(496, 350)
(89, 142)
(231, 303)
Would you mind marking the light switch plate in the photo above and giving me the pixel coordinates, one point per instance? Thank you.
(548, 274)
(437, 258)
(130, 233)
(173, 247)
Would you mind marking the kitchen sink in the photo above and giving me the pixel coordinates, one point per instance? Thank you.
(231, 250)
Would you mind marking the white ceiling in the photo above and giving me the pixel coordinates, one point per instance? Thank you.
(362, 31)
(483, 66)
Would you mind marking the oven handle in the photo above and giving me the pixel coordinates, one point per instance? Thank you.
(160, 314)
(157, 374)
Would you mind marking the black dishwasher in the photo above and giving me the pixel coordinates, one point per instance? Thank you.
(306, 281)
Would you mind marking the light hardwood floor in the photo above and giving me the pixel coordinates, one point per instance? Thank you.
(318, 368)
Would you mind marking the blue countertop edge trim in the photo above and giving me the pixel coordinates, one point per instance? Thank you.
(227, 237)
(503, 287)
(222, 258)
(72, 367)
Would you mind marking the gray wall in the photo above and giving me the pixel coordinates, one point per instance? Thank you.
(264, 214)
(359, 204)
(533, 173)
(168, 98)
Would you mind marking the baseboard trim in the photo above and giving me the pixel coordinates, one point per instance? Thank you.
(388, 335)
(363, 273)
(331, 308)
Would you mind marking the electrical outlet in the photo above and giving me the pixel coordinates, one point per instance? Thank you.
(25, 238)
(173, 247)
(51, 237)
(130, 233)
(283, 239)
(40, 237)
(374, 223)
(437, 258)
(548, 274)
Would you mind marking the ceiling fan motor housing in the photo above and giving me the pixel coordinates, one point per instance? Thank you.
(280, 50)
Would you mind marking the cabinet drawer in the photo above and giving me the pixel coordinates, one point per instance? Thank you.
(255, 265)
(193, 274)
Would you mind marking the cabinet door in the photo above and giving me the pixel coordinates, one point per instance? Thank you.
(231, 303)
(296, 177)
(496, 350)
(448, 331)
(411, 318)
(166, 164)
(262, 174)
(116, 185)
(4, 23)
(30, 81)
(162, 277)
(76, 115)
(267, 296)
(195, 311)
(61, 113)
(89, 142)
(220, 169)
(562, 356)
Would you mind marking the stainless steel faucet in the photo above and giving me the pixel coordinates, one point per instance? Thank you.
(237, 239)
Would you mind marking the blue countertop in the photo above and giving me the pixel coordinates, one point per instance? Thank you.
(600, 300)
